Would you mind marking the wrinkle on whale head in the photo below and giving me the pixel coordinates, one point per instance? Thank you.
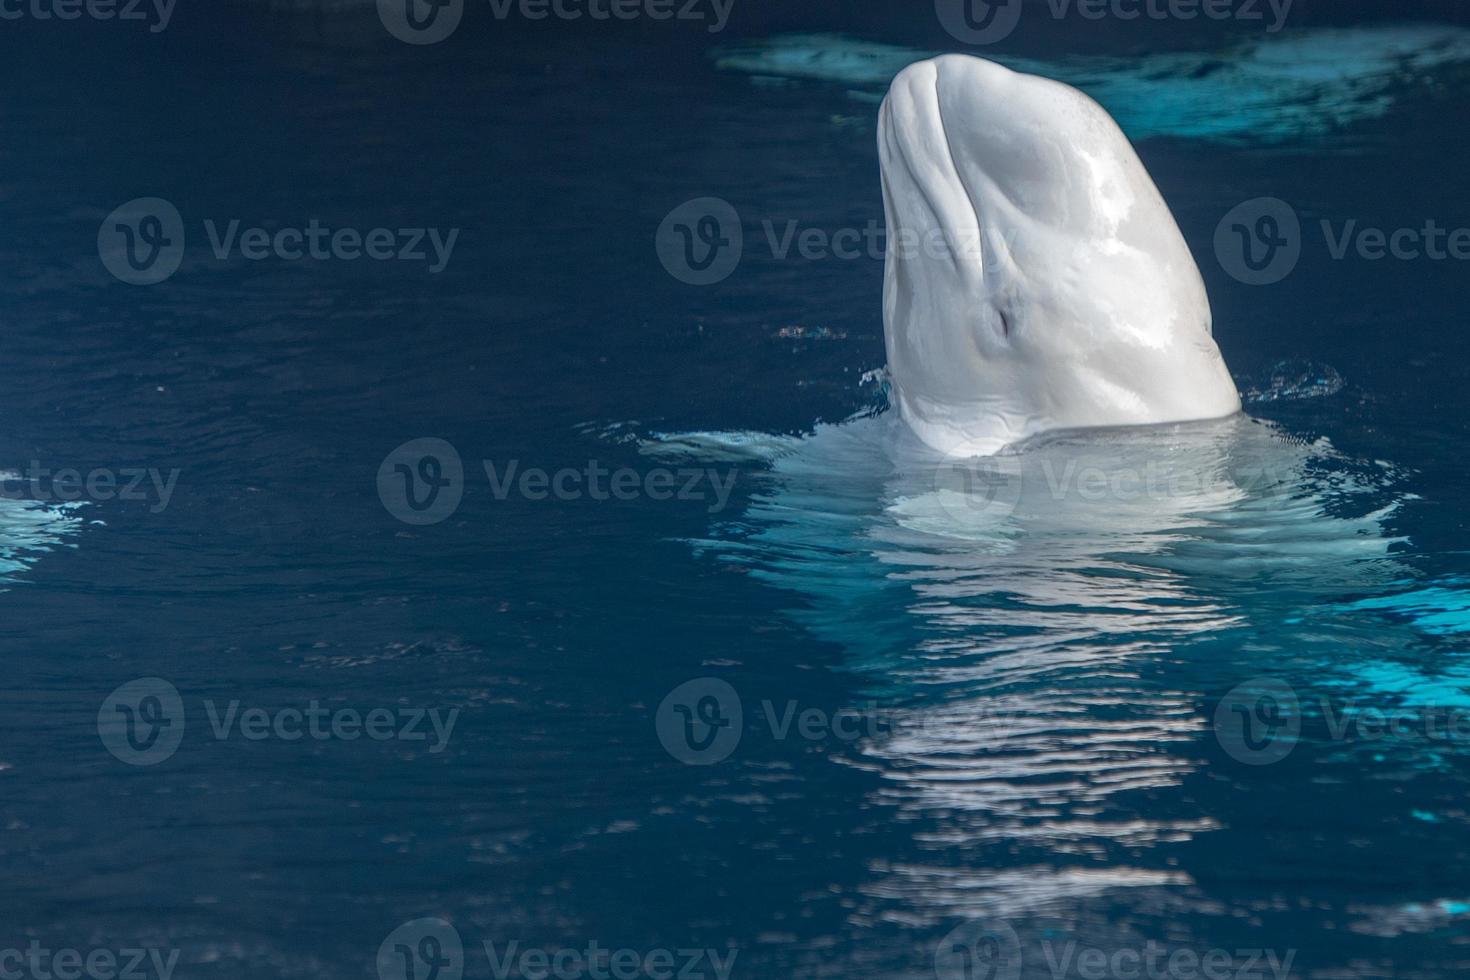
(1064, 295)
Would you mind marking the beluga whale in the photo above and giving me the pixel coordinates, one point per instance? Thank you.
(1052, 383)
(1065, 297)
(1059, 540)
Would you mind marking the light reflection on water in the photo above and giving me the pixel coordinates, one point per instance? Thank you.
(29, 529)
(1024, 611)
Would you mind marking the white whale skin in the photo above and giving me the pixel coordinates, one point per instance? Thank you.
(1035, 278)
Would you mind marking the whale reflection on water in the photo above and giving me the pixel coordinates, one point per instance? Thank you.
(1022, 612)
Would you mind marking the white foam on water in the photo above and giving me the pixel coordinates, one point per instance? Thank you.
(30, 529)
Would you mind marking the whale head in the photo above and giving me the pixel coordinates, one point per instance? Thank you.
(1035, 279)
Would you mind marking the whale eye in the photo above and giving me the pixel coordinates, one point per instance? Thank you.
(1005, 324)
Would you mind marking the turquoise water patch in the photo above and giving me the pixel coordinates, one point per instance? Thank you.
(28, 530)
(1450, 689)
(1278, 89)
(1440, 610)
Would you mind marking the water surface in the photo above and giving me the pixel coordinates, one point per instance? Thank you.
(1063, 776)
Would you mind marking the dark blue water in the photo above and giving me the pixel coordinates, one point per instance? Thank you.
(1099, 807)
